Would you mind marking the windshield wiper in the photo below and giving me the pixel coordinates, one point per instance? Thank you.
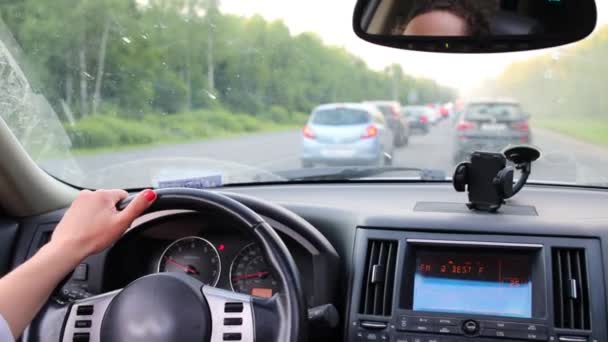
(341, 173)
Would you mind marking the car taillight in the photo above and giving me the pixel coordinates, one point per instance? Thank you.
(465, 125)
(370, 132)
(521, 126)
(424, 119)
(308, 133)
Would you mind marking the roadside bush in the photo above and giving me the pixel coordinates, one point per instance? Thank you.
(276, 114)
(111, 130)
(251, 124)
(89, 134)
(107, 130)
(222, 120)
(300, 118)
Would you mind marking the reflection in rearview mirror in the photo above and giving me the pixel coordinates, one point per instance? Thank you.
(539, 23)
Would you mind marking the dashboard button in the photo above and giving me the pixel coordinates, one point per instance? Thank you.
(423, 320)
(418, 339)
(530, 328)
(494, 325)
(402, 338)
(528, 335)
(81, 272)
(495, 333)
(447, 321)
(514, 326)
(376, 337)
(421, 328)
(403, 323)
(446, 329)
(433, 339)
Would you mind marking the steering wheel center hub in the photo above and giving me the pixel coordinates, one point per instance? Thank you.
(158, 308)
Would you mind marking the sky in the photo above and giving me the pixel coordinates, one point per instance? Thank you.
(331, 19)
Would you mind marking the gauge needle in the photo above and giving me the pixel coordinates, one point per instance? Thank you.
(186, 268)
(250, 276)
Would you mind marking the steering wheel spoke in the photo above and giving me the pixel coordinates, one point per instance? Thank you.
(85, 316)
(232, 315)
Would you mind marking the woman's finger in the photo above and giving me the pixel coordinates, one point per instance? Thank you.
(115, 195)
(139, 204)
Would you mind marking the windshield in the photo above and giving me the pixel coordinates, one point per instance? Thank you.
(139, 93)
(339, 117)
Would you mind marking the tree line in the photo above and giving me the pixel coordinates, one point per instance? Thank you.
(169, 56)
(564, 83)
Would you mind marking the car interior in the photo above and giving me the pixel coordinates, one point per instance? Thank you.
(465, 258)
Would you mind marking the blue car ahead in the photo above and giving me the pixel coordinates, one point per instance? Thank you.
(346, 134)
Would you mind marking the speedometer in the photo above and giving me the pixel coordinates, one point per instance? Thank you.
(251, 274)
(194, 256)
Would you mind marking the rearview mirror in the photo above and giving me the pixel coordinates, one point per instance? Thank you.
(474, 25)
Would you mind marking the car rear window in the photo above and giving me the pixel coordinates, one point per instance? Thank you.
(415, 111)
(340, 117)
(493, 112)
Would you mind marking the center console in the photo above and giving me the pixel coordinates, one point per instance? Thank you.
(410, 286)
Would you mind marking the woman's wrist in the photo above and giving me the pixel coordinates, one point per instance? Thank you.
(63, 253)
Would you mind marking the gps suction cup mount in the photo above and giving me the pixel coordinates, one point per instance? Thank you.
(489, 180)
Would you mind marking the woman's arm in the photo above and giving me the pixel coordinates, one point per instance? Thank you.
(90, 225)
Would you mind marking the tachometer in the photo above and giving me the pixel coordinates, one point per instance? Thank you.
(194, 256)
(251, 274)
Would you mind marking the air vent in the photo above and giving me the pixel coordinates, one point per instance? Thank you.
(571, 290)
(378, 278)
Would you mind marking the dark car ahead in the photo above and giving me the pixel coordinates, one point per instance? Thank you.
(419, 118)
(397, 122)
(490, 126)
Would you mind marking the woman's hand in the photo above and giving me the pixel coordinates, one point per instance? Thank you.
(92, 223)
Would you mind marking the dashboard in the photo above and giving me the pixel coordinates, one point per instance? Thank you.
(208, 248)
(401, 262)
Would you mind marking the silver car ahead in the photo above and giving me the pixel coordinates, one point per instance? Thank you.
(346, 134)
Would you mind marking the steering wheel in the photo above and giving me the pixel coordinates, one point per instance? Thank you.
(168, 307)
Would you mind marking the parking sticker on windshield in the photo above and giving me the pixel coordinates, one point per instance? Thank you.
(205, 182)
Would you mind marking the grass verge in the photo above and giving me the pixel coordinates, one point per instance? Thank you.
(593, 131)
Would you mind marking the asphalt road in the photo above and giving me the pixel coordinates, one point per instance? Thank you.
(564, 159)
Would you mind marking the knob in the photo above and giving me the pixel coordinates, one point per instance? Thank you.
(470, 327)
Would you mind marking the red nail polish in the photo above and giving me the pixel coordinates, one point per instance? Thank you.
(150, 195)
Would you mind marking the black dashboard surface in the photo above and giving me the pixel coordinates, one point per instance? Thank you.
(337, 210)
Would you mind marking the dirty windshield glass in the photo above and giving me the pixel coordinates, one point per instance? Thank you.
(138, 93)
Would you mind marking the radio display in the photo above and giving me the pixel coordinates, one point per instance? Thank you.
(486, 284)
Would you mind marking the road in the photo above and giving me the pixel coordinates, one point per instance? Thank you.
(564, 159)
